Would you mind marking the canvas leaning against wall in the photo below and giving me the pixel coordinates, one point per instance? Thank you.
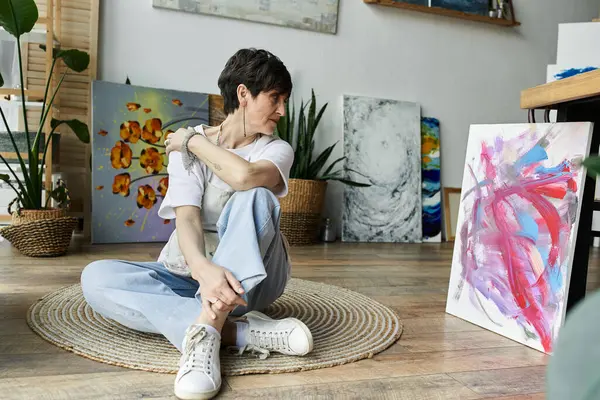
(129, 165)
(382, 145)
(315, 15)
(519, 213)
(431, 180)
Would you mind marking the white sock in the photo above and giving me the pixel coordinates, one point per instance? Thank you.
(242, 329)
(211, 329)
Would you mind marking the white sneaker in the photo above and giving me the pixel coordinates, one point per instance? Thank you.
(199, 375)
(288, 336)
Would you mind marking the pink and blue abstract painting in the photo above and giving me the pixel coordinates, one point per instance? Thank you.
(519, 213)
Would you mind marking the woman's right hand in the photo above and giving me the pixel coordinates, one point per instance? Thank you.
(218, 288)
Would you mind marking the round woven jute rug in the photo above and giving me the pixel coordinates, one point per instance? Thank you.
(346, 327)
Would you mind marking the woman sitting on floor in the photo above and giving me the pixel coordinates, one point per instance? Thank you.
(227, 256)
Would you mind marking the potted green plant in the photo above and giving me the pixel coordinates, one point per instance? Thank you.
(592, 164)
(33, 215)
(301, 208)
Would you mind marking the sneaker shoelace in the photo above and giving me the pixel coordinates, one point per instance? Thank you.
(198, 353)
(269, 340)
(260, 342)
(252, 349)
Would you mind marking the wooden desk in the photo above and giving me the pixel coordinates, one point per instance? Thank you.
(576, 99)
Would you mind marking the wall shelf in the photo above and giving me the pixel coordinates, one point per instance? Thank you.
(444, 11)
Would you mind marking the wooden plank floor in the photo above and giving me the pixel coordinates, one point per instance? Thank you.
(437, 357)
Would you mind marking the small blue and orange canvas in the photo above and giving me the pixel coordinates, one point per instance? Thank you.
(430, 180)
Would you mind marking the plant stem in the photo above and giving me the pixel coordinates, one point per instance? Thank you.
(36, 142)
(45, 114)
(47, 86)
(8, 130)
(156, 145)
(16, 178)
(21, 75)
(17, 192)
(48, 198)
(356, 172)
(146, 176)
(21, 161)
(44, 157)
(175, 121)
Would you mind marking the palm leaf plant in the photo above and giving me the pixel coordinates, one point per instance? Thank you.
(305, 165)
(18, 17)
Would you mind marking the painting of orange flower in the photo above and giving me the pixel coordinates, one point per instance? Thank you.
(120, 155)
(151, 160)
(121, 184)
(130, 131)
(146, 197)
(163, 185)
(129, 160)
(152, 130)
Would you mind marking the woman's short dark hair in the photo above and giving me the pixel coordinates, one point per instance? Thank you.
(259, 70)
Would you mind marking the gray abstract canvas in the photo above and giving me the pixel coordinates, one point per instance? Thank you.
(382, 142)
(314, 15)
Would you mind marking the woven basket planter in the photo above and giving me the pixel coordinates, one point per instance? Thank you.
(22, 216)
(40, 233)
(301, 211)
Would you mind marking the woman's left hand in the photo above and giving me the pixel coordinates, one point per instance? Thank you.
(175, 140)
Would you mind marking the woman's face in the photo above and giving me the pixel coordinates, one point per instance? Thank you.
(263, 111)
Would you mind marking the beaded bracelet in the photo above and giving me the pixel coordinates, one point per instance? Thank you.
(187, 157)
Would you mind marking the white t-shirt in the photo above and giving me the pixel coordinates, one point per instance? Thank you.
(188, 188)
(202, 188)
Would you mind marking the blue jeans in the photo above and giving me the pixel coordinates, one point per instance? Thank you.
(145, 296)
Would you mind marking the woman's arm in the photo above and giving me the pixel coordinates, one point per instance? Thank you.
(190, 236)
(234, 170)
(216, 282)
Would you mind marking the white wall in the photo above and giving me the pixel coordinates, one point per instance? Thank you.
(461, 72)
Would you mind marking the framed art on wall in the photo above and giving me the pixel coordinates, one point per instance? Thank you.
(315, 15)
